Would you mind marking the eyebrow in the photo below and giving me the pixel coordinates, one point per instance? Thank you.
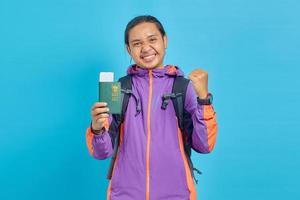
(137, 40)
(152, 35)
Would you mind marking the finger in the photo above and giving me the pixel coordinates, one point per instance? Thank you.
(99, 105)
(102, 116)
(98, 111)
(101, 120)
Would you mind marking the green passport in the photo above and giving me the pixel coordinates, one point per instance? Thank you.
(110, 92)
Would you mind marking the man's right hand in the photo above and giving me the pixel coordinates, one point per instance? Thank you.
(99, 113)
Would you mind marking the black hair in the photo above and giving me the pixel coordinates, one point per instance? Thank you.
(140, 19)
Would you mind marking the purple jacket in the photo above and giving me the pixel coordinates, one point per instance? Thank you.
(151, 163)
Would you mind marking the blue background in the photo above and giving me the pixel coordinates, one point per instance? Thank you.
(52, 51)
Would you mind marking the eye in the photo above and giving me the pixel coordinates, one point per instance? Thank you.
(136, 44)
(152, 39)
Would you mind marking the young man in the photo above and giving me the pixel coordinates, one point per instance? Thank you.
(151, 162)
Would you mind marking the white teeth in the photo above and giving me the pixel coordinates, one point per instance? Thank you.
(148, 58)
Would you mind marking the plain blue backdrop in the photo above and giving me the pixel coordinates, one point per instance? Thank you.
(51, 52)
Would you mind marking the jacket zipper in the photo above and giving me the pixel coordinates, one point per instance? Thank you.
(148, 138)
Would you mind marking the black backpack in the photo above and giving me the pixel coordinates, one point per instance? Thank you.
(184, 118)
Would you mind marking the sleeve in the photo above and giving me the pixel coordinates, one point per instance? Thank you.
(204, 122)
(100, 145)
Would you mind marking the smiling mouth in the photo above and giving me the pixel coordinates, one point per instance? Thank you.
(148, 58)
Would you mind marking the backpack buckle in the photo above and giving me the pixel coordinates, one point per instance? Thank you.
(167, 97)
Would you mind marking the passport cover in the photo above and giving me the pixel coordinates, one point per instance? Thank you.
(110, 92)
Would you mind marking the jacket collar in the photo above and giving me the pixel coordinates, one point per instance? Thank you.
(169, 70)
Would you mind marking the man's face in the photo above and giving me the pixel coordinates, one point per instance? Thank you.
(147, 46)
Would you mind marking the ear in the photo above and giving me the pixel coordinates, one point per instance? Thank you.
(128, 49)
(165, 41)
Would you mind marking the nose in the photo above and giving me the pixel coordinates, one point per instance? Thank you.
(146, 47)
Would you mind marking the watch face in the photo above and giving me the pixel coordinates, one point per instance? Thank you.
(207, 101)
(210, 99)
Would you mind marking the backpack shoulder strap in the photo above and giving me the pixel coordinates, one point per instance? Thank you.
(126, 87)
(184, 119)
(179, 88)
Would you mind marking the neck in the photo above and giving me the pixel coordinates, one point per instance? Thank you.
(151, 68)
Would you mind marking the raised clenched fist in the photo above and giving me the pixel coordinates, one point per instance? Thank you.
(199, 79)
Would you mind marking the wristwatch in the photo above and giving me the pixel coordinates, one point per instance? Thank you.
(207, 101)
(97, 132)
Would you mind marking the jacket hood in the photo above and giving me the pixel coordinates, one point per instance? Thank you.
(169, 70)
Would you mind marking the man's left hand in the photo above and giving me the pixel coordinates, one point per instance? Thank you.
(199, 79)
